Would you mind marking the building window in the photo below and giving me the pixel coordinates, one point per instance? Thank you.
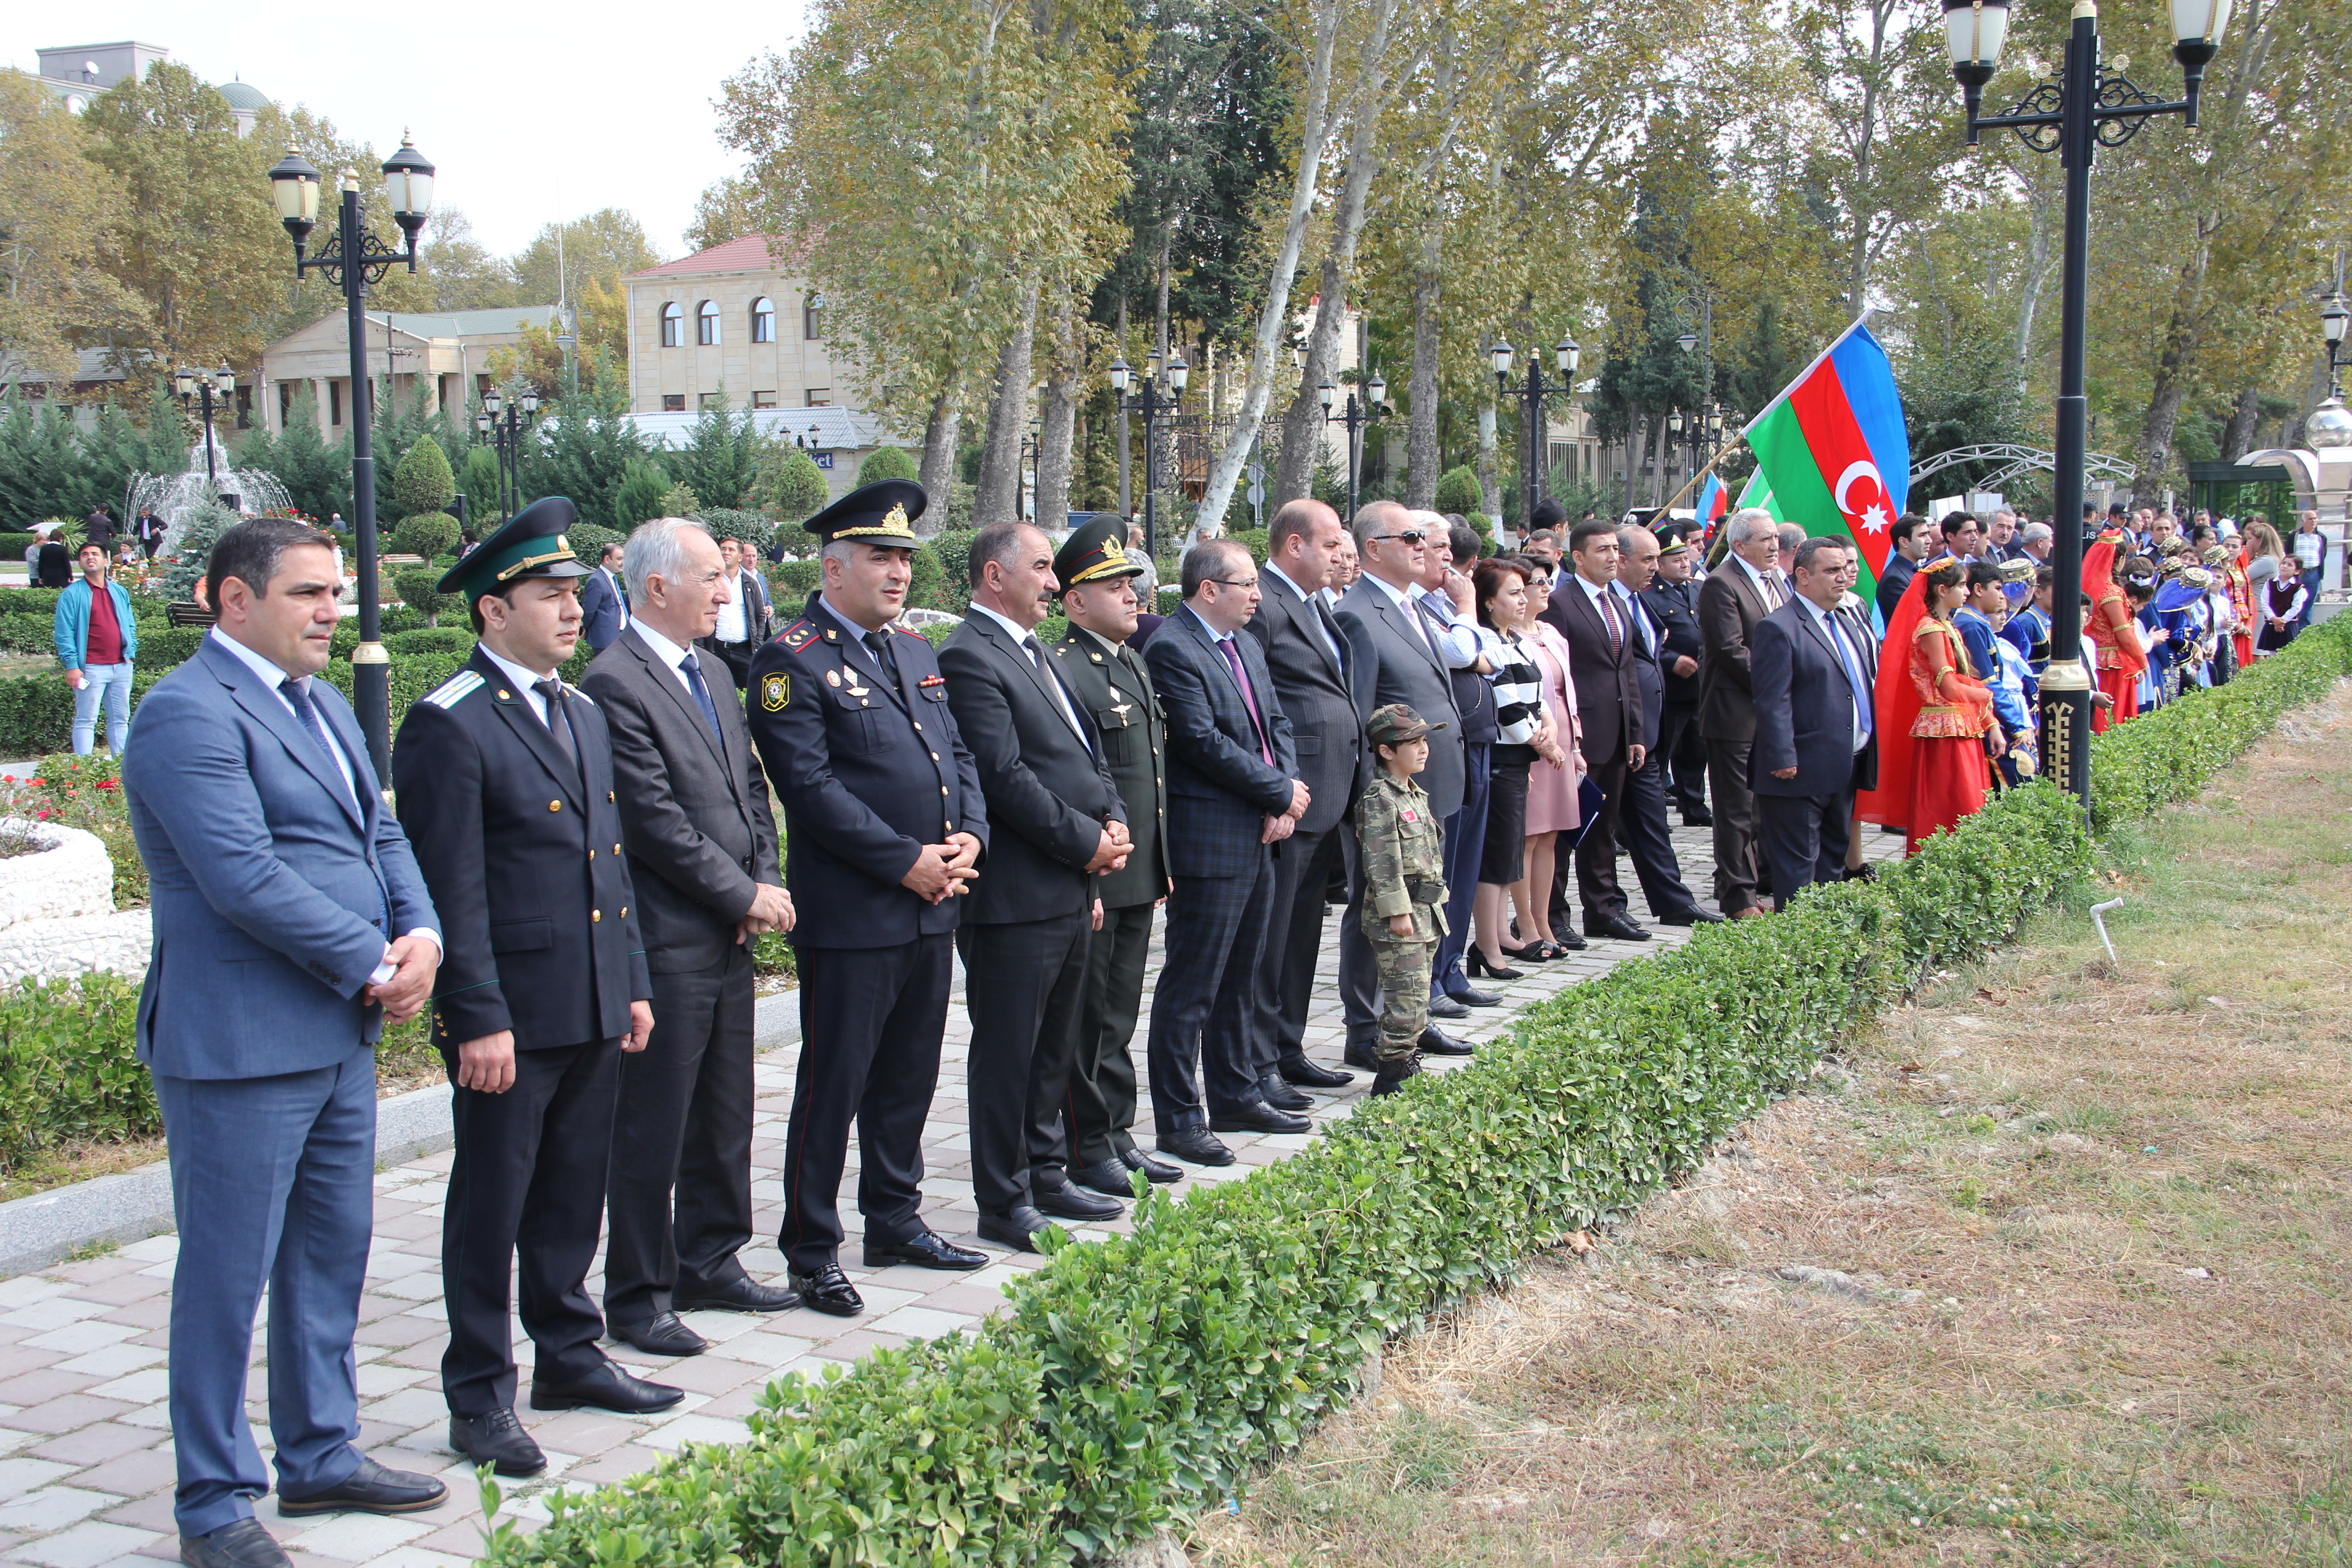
(764, 319)
(813, 318)
(285, 403)
(673, 403)
(334, 402)
(764, 400)
(820, 397)
(711, 400)
(673, 321)
(1563, 457)
(706, 324)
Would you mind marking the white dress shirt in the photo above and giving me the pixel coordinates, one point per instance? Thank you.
(1827, 625)
(1596, 593)
(1023, 638)
(622, 599)
(1635, 617)
(524, 681)
(1774, 593)
(1404, 601)
(672, 657)
(1310, 600)
(732, 625)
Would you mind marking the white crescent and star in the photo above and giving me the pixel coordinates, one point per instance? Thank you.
(1855, 471)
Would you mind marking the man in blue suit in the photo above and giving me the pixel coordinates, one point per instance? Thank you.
(1812, 679)
(290, 923)
(1233, 795)
(604, 608)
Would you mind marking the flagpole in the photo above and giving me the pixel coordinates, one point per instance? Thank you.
(1812, 365)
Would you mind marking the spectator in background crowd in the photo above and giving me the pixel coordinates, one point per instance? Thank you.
(1344, 574)
(604, 608)
(1147, 585)
(2281, 610)
(98, 528)
(1524, 739)
(1963, 535)
(2310, 548)
(2034, 542)
(1553, 805)
(148, 531)
(2000, 535)
(1910, 546)
(97, 639)
(52, 563)
(743, 620)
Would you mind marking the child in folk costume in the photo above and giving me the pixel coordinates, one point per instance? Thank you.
(1934, 716)
(2122, 658)
(2281, 609)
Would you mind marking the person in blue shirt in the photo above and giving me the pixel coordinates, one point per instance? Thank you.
(1978, 620)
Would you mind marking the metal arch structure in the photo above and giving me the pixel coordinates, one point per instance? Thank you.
(2011, 460)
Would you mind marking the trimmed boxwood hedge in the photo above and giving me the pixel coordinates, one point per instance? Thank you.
(1142, 1377)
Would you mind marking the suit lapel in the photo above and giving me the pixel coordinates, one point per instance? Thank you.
(514, 706)
(1002, 641)
(270, 709)
(668, 681)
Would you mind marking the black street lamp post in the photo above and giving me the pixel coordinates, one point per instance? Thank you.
(1565, 356)
(1148, 401)
(1354, 417)
(2086, 109)
(502, 423)
(353, 259)
(191, 384)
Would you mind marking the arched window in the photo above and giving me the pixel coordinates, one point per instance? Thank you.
(673, 321)
(764, 319)
(706, 324)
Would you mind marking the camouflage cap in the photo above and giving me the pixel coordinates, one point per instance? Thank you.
(1397, 724)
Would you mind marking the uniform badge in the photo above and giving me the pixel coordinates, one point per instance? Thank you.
(1121, 709)
(1407, 814)
(832, 677)
(776, 692)
(933, 680)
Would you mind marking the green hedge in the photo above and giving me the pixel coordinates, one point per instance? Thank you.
(66, 1072)
(1141, 1378)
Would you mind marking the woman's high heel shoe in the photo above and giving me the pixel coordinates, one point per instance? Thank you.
(1477, 964)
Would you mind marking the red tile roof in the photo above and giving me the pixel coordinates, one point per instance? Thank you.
(753, 252)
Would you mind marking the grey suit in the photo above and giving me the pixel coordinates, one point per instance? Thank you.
(275, 888)
(699, 837)
(1729, 605)
(1806, 709)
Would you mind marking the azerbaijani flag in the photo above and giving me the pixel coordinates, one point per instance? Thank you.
(1831, 452)
(1714, 501)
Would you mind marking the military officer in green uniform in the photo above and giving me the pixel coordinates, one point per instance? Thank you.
(1404, 886)
(1099, 597)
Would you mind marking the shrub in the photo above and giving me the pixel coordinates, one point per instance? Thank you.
(640, 493)
(882, 463)
(66, 1071)
(727, 522)
(167, 646)
(1257, 539)
(680, 501)
(423, 482)
(796, 581)
(440, 641)
(192, 550)
(425, 535)
(1458, 492)
(799, 488)
(24, 631)
(926, 585)
(588, 540)
(420, 589)
(953, 547)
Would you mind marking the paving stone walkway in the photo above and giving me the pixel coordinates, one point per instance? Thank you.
(86, 1468)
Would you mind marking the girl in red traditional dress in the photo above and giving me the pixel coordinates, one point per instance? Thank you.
(2115, 632)
(1934, 715)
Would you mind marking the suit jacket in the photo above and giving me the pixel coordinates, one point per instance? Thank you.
(604, 612)
(1804, 709)
(1892, 581)
(868, 771)
(695, 823)
(1049, 789)
(1394, 664)
(758, 606)
(1116, 688)
(1220, 789)
(273, 892)
(1324, 697)
(1608, 680)
(1673, 610)
(523, 855)
(1729, 605)
(1648, 643)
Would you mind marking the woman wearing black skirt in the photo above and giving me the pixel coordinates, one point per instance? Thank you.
(1501, 586)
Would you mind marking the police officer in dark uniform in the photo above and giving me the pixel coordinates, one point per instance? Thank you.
(850, 714)
(1672, 602)
(1099, 597)
(504, 776)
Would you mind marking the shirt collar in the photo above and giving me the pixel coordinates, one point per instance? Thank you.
(523, 678)
(857, 633)
(664, 650)
(1396, 595)
(1214, 635)
(1303, 594)
(264, 669)
(1012, 628)
(1097, 639)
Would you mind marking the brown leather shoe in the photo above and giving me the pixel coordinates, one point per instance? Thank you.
(1752, 912)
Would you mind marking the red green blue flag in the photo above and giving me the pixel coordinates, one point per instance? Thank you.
(1714, 501)
(1832, 453)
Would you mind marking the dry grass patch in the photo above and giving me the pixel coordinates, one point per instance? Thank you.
(2051, 1269)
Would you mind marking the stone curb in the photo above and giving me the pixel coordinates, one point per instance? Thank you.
(39, 1229)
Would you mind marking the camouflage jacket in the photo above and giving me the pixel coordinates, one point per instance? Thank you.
(1403, 850)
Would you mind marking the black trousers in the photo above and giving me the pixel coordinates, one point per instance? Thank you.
(871, 1020)
(1805, 838)
(1739, 869)
(1683, 752)
(683, 1127)
(1200, 1008)
(1360, 973)
(1596, 853)
(1284, 973)
(1465, 842)
(1023, 985)
(526, 1196)
(738, 656)
(1642, 822)
(1100, 1099)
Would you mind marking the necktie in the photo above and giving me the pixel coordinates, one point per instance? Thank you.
(1609, 615)
(702, 695)
(885, 656)
(1323, 619)
(300, 698)
(559, 720)
(1036, 651)
(1861, 699)
(1249, 698)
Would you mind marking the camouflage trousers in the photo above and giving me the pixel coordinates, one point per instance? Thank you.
(1403, 967)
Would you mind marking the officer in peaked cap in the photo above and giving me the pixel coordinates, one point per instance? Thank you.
(505, 782)
(885, 828)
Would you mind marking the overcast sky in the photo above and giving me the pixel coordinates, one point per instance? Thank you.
(530, 114)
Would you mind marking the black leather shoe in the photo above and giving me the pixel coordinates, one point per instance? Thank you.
(927, 1250)
(662, 1334)
(1364, 1057)
(1434, 1042)
(1567, 941)
(1153, 1169)
(1312, 1075)
(1471, 997)
(1111, 1178)
(1617, 927)
(1692, 916)
(371, 1489)
(1256, 1117)
(745, 1295)
(828, 1290)
(1018, 1230)
(1280, 1095)
(609, 1387)
(1194, 1143)
(1445, 1006)
(1865, 872)
(496, 1440)
(244, 1545)
(1066, 1200)
(1699, 817)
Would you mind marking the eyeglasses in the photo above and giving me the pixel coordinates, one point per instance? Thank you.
(1230, 583)
(1411, 536)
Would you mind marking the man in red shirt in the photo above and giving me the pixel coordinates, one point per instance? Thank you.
(96, 641)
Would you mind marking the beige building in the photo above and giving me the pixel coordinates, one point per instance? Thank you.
(447, 354)
(731, 318)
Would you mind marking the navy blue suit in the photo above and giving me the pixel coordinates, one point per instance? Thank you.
(1220, 793)
(604, 612)
(1804, 719)
(274, 890)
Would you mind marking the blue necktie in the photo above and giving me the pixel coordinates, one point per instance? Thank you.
(1861, 699)
(309, 713)
(702, 694)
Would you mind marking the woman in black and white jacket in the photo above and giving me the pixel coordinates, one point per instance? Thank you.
(1501, 585)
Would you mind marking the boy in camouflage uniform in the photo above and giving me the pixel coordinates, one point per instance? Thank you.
(1404, 886)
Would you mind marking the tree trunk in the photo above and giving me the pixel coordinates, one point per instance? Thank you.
(1303, 422)
(1490, 485)
(1421, 457)
(1057, 418)
(2238, 435)
(998, 497)
(938, 476)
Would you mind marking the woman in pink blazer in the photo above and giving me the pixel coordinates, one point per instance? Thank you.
(1552, 787)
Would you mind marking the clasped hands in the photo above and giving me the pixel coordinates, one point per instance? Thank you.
(940, 871)
(1281, 825)
(771, 910)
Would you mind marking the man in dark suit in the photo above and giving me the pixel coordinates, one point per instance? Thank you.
(1910, 547)
(505, 782)
(1671, 602)
(604, 608)
(1445, 594)
(1098, 595)
(1743, 591)
(1395, 654)
(1307, 653)
(1233, 792)
(1056, 824)
(851, 717)
(291, 924)
(701, 849)
(1814, 741)
(1641, 823)
(745, 619)
(1602, 657)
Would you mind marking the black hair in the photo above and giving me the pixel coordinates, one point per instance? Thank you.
(1981, 572)
(251, 551)
(1588, 531)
